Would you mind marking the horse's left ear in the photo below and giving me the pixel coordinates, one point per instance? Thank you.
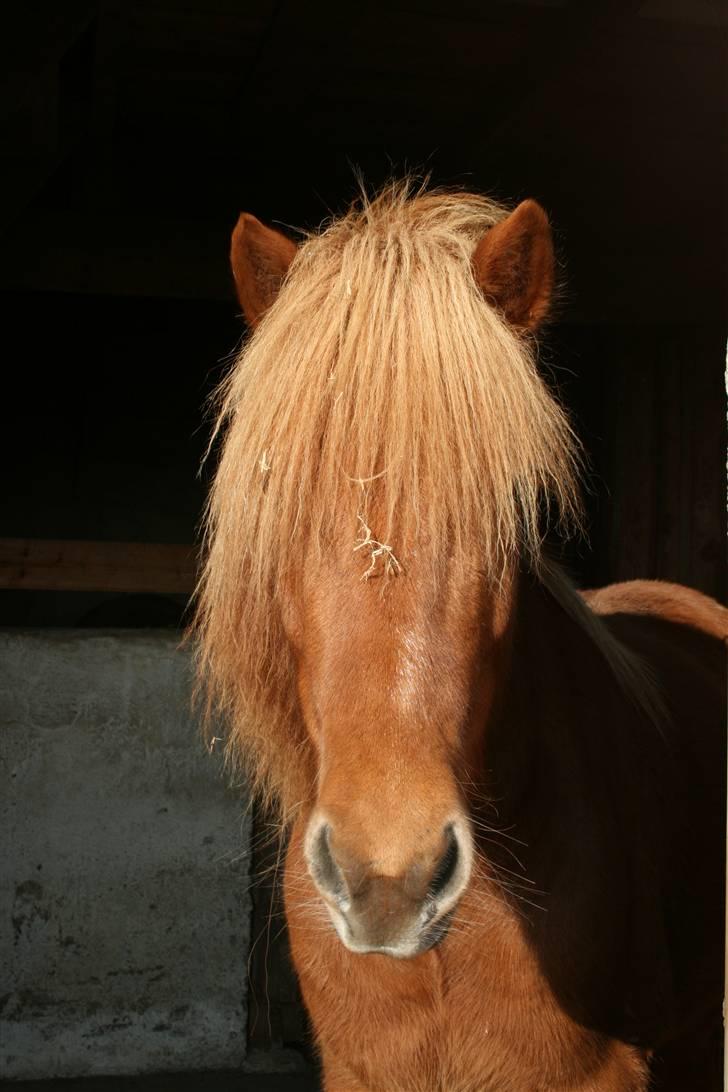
(260, 257)
(514, 266)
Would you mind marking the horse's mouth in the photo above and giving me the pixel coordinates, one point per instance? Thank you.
(436, 932)
(428, 939)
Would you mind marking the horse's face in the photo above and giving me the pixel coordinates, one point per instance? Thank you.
(392, 679)
(396, 672)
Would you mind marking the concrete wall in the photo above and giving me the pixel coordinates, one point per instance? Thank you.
(124, 888)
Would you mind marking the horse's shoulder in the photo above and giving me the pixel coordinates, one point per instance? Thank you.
(663, 600)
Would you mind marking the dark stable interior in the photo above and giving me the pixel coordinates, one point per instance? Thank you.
(134, 133)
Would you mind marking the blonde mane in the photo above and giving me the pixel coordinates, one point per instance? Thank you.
(381, 381)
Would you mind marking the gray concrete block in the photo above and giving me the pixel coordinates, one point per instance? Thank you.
(124, 888)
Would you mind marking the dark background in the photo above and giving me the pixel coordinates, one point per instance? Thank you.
(133, 133)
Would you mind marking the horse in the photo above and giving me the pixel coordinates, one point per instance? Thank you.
(504, 798)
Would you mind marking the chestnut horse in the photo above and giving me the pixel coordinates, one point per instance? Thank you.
(505, 798)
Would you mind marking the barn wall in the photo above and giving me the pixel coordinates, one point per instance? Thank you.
(125, 880)
(667, 441)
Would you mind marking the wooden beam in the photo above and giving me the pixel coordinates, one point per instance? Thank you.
(52, 565)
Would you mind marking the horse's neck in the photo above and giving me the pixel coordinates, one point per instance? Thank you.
(572, 825)
(560, 753)
(555, 698)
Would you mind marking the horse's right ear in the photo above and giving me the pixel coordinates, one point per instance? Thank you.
(514, 266)
(260, 258)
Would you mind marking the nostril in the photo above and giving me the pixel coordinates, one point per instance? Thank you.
(324, 869)
(447, 866)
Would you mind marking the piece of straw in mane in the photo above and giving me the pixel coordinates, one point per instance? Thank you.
(380, 381)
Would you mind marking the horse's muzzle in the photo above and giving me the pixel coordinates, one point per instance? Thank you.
(399, 915)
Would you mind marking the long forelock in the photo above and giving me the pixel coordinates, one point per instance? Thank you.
(381, 396)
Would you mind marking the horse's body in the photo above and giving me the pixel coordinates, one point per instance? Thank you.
(505, 871)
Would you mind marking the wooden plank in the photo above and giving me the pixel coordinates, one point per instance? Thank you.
(53, 565)
(670, 467)
(703, 352)
(633, 439)
(663, 464)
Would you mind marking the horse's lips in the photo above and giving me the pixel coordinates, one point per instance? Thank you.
(436, 933)
(429, 939)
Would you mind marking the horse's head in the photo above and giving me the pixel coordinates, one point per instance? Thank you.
(397, 659)
(392, 677)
